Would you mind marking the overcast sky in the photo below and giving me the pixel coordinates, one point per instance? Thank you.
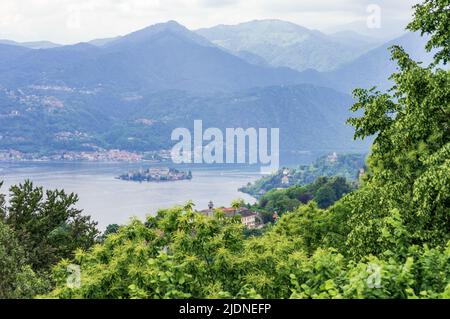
(70, 21)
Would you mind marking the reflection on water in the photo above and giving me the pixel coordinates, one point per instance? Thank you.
(109, 200)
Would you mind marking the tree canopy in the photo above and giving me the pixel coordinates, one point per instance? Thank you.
(390, 238)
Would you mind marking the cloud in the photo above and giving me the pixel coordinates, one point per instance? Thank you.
(217, 3)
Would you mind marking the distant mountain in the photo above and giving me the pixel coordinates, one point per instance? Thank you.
(10, 52)
(310, 118)
(155, 31)
(353, 38)
(131, 91)
(285, 44)
(160, 57)
(40, 45)
(32, 45)
(389, 28)
(53, 118)
(9, 42)
(375, 67)
(104, 41)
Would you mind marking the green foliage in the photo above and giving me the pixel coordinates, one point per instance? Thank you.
(2, 203)
(432, 17)
(29, 283)
(187, 255)
(409, 163)
(324, 191)
(388, 239)
(17, 279)
(11, 259)
(157, 260)
(47, 225)
(347, 166)
(237, 203)
(110, 229)
(36, 231)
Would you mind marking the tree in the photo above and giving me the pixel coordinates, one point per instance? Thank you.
(176, 254)
(17, 279)
(237, 203)
(187, 255)
(432, 17)
(388, 239)
(48, 226)
(2, 203)
(325, 196)
(408, 167)
(110, 229)
(324, 191)
(12, 258)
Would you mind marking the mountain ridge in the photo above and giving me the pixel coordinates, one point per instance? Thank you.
(55, 119)
(374, 67)
(286, 44)
(131, 91)
(160, 57)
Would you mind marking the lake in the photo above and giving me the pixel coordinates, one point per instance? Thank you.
(109, 200)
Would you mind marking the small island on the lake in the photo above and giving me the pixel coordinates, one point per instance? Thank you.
(156, 175)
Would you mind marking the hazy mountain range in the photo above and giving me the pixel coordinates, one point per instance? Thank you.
(161, 57)
(375, 66)
(285, 44)
(32, 45)
(129, 92)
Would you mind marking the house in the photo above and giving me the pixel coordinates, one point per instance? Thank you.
(285, 180)
(332, 158)
(362, 172)
(249, 218)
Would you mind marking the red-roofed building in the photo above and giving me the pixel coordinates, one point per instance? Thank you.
(249, 218)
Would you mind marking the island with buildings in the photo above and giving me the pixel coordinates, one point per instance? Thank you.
(156, 175)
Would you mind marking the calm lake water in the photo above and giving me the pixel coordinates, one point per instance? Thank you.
(109, 200)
